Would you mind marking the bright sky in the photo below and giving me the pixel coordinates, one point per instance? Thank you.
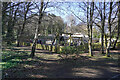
(63, 10)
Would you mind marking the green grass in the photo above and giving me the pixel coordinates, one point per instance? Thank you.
(113, 56)
(12, 58)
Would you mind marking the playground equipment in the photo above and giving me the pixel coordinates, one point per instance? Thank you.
(62, 40)
(59, 41)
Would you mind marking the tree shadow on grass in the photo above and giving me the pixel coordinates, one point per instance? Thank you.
(37, 50)
(83, 67)
(66, 68)
(15, 56)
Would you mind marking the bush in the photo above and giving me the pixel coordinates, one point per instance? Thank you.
(96, 46)
(67, 50)
(118, 44)
(79, 50)
(71, 50)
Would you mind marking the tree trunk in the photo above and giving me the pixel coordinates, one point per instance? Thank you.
(89, 31)
(91, 24)
(118, 33)
(34, 44)
(9, 34)
(23, 25)
(11, 23)
(102, 41)
(21, 33)
(114, 46)
(107, 44)
(109, 24)
(103, 33)
(3, 17)
(37, 30)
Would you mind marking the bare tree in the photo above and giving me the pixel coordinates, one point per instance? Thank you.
(110, 20)
(21, 30)
(9, 18)
(90, 25)
(89, 9)
(101, 12)
(41, 10)
(11, 22)
(109, 26)
(118, 27)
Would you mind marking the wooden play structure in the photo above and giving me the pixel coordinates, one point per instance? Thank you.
(58, 43)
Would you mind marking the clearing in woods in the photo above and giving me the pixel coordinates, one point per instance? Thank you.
(50, 65)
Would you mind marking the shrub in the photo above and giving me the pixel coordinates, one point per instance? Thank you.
(118, 44)
(71, 50)
(96, 46)
(67, 50)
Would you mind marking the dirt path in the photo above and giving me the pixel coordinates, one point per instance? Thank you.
(50, 65)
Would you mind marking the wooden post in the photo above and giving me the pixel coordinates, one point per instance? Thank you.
(70, 40)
